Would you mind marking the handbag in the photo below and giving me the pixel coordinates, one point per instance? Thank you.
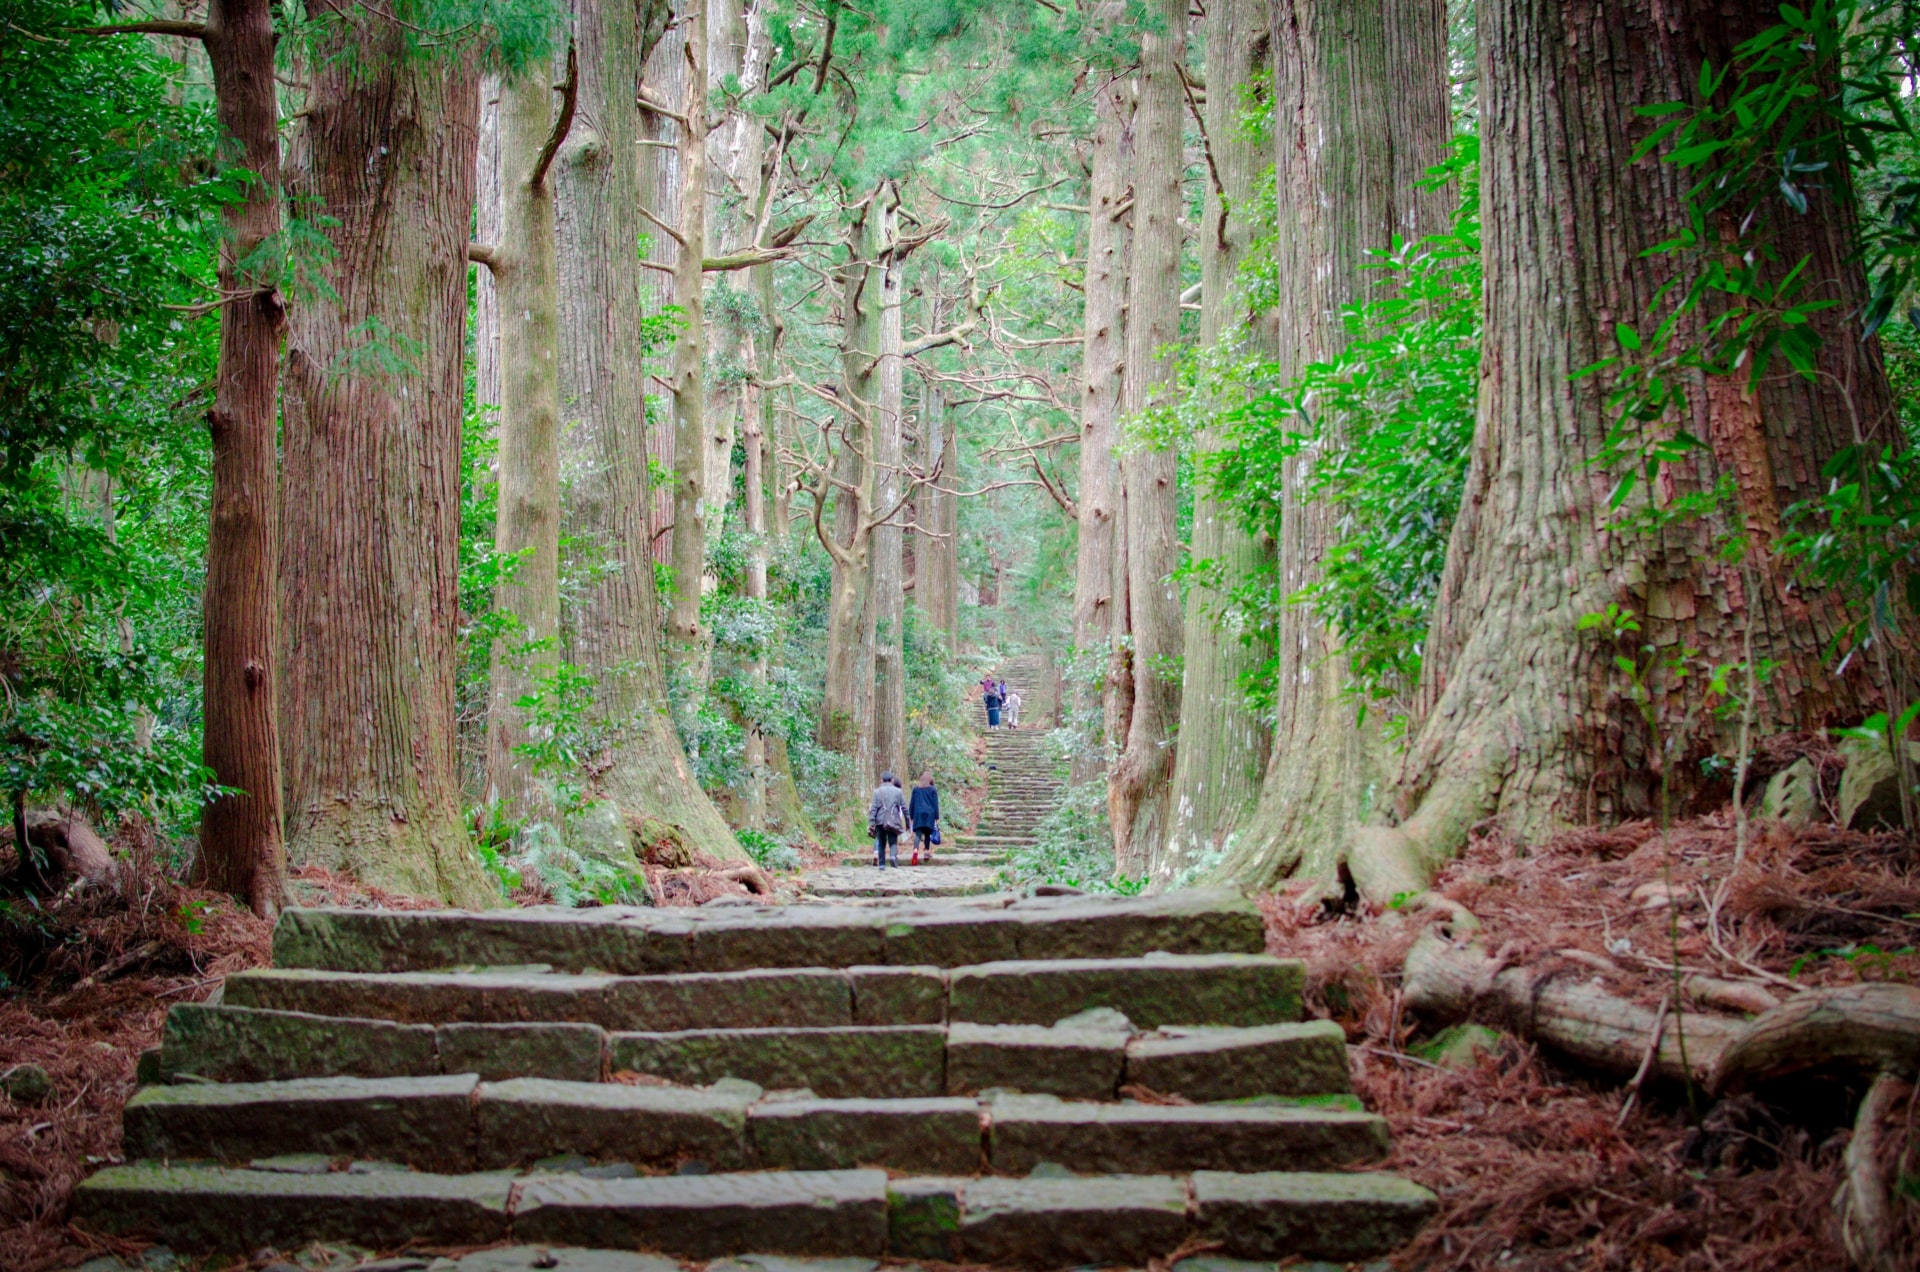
(934, 838)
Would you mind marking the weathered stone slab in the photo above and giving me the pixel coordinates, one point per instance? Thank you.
(784, 936)
(1278, 1215)
(1062, 1223)
(1185, 921)
(1026, 1130)
(423, 1122)
(1080, 1064)
(898, 995)
(530, 1258)
(923, 1217)
(813, 997)
(240, 1044)
(608, 939)
(566, 1052)
(527, 1119)
(833, 1212)
(930, 1136)
(893, 1062)
(932, 934)
(1173, 989)
(209, 1208)
(1233, 1064)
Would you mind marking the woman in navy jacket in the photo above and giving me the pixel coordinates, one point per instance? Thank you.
(924, 810)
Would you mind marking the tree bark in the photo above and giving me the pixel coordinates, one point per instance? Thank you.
(889, 482)
(527, 516)
(1361, 113)
(1138, 786)
(241, 846)
(936, 583)
(372, 443)
(685, 640)
(1102, 363)
(1223, 744)
(613, 637)
(1525, 716)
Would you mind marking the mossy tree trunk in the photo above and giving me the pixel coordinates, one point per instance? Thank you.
(1361, 112)
(372, 411)
(1223, 744)
(1526, 717)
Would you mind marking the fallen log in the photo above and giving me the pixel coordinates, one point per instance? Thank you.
(73, 849)
(1868, 1028)
(1450, 976)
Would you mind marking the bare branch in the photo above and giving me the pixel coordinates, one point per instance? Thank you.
(484, 254)
(155, 26)
(669, 230)
(561, 126)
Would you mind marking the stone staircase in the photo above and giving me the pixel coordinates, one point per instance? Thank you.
(1022, 789)
(1050, 1082)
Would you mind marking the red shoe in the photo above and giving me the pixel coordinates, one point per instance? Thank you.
(916, 856)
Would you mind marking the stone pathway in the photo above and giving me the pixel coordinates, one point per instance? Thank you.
(1022, 789)
(940, 1080)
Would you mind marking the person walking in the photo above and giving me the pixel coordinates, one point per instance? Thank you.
(990, 695)
(1012, 709)
(923, 810)
(886, 818)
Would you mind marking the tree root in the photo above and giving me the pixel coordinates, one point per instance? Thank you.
(74, 850)
(1867, 1203)
(1868, 1028)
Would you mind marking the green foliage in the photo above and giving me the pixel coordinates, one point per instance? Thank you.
(106, 236)
(770, 853)
(1384, 430)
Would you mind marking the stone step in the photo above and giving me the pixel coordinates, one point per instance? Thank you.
(1153, 991)
(942, 856)
(942, 880)
(459, 1124)
(1050, 1222)
(1076, 1060)
(641, 940)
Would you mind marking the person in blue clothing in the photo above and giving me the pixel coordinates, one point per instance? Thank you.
(924, 810)
(990, 697)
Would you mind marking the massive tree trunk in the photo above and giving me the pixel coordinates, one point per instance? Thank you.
(1223, 744)
(685, 641)
(1530, 722)
(527, 516)
(372, 445)
(641, 767)
(1361, 113)
(1138, 785)
(936, 559)
(1102, 360)
(846, 707)
(890, 488)
(241, 848)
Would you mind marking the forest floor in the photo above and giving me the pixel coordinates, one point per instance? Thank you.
(1537, 1166)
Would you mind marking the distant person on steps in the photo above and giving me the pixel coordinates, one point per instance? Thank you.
(1013, 709)
(886, 818)
(924, 811)
(990, 695)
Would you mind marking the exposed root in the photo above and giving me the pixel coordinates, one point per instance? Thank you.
(1866, 1028)
(1877, 1223)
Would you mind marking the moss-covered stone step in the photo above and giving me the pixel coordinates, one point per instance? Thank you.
(461, 1124)
(1042, 1223)
(897, 1062)
(1096, 1138)
(1157, 990)
(942, 880)
(638, 940)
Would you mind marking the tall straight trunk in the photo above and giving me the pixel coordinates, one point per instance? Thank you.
(372, 443)
(685, 641)
(527, 517)
(664, 72)
(1102, 363)
(1530, 722)
(1138, 786)
(1361, 113)
(846, 707)
(613, 635)
(488, 206)
(889, 539)
(936, 583)
(1223, 744)
(241, 847)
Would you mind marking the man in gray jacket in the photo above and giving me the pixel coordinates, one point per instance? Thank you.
(886, 818)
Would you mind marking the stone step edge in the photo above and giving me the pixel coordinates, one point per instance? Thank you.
(642, 940)
(1290, 1060)
(459, 1124)
(1116, 1219)
(1154, 991)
